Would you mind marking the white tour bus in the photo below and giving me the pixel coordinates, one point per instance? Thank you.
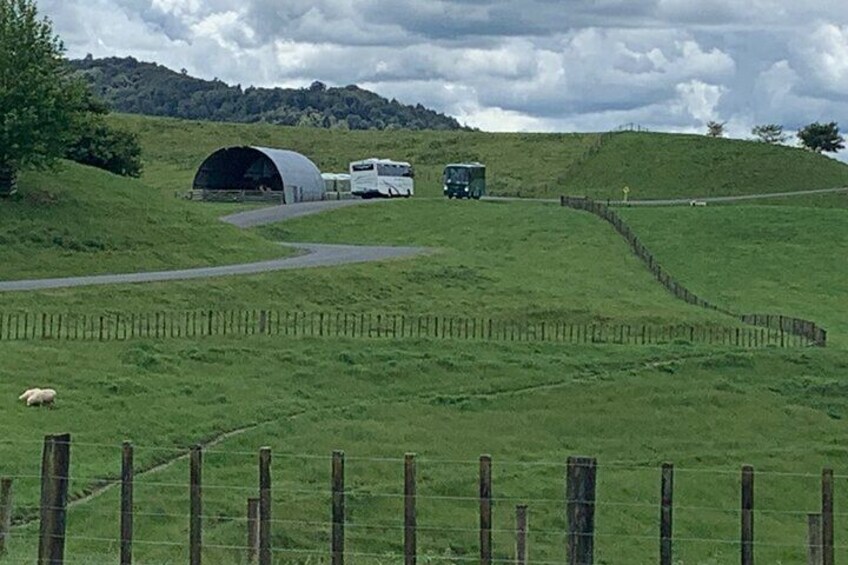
(381, 177)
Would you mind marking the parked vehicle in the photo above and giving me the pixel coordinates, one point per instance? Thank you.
(384, 178)
(465, 180)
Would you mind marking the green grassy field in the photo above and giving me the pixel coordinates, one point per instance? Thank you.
(777, 259)
(78, 220)
(529, 407)
(509, 260)
(653, 165)
(709, 410)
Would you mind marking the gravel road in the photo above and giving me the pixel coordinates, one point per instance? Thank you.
(687, 201)
(282, 213)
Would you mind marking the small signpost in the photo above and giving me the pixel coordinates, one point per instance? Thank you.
(626, 191)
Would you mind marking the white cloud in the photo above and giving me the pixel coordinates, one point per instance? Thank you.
(699, 100)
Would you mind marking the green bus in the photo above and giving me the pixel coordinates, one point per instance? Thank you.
(465, 180)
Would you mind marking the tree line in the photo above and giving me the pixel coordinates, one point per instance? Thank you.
(138, 87)
(818, 137)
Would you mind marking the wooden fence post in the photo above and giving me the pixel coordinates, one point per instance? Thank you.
(338, 513)
(126, 503)
(409, 514)
(263, 322)
(5, 512)
(55, 464)
(265, 506)
(485, 510)
(814, 540)
(580, 509)
(521, 535)
(747, 533)
(827, 517)
(196, 504)
(667, 494)
(252, 529)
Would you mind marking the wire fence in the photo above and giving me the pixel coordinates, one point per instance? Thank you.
(201, 323)
(806, 329)
(401, 512)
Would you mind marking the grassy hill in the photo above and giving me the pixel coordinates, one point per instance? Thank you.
(780, 259)
(657, 165)
(518, 163)
(79, 220)
(653, 165)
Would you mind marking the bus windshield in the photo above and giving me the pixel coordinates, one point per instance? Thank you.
(456, 175)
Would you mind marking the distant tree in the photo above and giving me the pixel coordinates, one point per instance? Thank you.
(769, 133)
(317, 86)
(39, 99)
(821, 137)
(715, 129)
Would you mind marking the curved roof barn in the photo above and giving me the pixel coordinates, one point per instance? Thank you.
(261, 169)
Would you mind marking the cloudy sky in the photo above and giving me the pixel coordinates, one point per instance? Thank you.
(529, 65)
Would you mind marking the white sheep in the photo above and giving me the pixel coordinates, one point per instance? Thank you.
(41, 397)
(27, 393)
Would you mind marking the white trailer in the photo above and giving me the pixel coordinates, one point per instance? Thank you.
(385, 178)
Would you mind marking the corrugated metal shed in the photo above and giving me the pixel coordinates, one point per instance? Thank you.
(261, 168)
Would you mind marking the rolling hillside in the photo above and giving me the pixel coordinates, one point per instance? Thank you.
(78, 220)
(782, 259)
(530, 405)
(656, 165)
(653, 165)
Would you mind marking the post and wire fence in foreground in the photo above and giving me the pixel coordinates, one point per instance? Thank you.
(405, 523)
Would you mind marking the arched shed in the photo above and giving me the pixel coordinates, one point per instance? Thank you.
(261, 169)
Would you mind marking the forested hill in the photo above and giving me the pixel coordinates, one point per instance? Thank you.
(135, 87)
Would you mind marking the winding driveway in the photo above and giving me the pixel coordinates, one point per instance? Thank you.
(324, 255)
(313, 254)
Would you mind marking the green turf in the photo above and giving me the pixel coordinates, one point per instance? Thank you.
(653, 165)
(508, 260)
(758, 259)
(529, 407)
(77, 220)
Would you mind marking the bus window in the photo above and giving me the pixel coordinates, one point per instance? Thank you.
(392, 170)
(364, 167)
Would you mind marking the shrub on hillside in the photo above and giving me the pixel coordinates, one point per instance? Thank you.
(97, 144)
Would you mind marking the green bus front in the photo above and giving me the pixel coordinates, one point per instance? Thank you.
(465, 180)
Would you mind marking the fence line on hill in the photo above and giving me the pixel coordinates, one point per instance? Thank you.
(785, 324)
(201, 323)
(574, 538)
